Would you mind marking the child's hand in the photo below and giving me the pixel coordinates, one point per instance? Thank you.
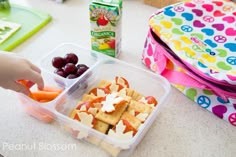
(14, 68)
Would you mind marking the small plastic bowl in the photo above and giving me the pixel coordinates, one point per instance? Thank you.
(84, 57)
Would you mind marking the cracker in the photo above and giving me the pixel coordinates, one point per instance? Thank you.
(141, 116)
(114, 151)
(139, 107)
(136, 95)
(101, 126)
(89, 97)
(94, 140)
(97, 105)
(93, 110)
(122, 92)
(112, 118)
(129, 92)
(72, 114)
(135, 122)
(127, 98)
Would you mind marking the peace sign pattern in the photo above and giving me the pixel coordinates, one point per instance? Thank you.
(224, 109)
(231, 60)
(232, 118)
(208, 25)
(190, 23)
(204, 101)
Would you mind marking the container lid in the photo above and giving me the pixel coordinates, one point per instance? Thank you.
(203, 34)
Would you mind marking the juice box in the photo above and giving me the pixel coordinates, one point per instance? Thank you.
(105, 19)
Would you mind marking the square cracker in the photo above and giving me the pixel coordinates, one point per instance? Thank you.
(139, 107)
(114, 117)
(136, 95)
(72, 114)
(135, 122)
(101, 126)
(129, 92)
(112, 150)
(133, 94)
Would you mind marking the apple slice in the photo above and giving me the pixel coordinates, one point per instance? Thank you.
(84, 106)
(114, 87)
(87, 106)
(99, 91)
(122, 81)
(129, 127)
(150, 100)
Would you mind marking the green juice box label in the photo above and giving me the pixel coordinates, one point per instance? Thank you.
(105, 19)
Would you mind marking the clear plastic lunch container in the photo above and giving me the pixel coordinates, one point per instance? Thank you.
(101, 67)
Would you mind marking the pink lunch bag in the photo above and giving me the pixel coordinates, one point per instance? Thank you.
(193, 45)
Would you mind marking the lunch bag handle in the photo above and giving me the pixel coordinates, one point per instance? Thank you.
(187, 78)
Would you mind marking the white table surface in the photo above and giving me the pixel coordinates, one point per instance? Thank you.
(182, 129)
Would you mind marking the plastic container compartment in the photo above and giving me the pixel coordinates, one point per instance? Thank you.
(43, 111)
(83, 54)
(101, 68)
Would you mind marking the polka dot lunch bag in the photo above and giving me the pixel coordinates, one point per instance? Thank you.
(193, 45)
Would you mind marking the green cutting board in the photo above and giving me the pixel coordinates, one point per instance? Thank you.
(31, 21)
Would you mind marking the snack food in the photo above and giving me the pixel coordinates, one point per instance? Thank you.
(113, 110)
(85, 93)
(48, 93)
(68, 66)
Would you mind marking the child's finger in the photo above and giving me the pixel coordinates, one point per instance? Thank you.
(35, 68)
(15, 86)
(37, 79)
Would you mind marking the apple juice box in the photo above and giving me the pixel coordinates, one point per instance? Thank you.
(105, 20)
